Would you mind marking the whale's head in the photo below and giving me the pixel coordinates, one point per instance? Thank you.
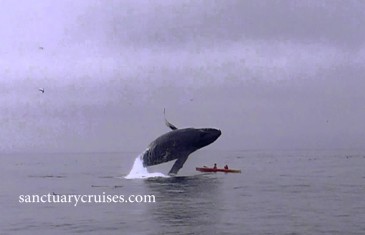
(204, 136)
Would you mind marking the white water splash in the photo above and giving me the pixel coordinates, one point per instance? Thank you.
(138, 171)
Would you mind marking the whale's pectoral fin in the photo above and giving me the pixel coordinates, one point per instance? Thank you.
(178, 165)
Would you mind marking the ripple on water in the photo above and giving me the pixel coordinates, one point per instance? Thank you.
(47, 176)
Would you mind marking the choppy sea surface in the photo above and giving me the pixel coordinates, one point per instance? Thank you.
(278, 192)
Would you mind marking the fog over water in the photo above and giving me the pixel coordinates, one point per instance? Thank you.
(269, 74)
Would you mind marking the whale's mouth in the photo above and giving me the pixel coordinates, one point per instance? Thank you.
(212, 131)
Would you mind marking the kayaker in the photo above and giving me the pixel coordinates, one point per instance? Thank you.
(226, 167)
(215, 166)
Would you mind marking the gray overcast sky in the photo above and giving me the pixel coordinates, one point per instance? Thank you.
(269, 74)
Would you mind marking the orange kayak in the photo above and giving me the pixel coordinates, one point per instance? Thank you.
(207, 169)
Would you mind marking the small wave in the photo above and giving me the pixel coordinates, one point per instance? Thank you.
(238, 187)
(99, 186)
(47, 176)
(138, 171)
(106, 177)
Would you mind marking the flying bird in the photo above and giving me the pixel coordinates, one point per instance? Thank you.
(41, 90)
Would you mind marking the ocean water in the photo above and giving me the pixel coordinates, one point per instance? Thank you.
(278, 192)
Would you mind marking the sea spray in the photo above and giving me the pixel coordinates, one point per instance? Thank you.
(138, 171)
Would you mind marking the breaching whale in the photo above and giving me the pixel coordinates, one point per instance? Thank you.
(178, 144)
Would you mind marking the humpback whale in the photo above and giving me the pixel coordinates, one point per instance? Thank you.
(178, 144)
